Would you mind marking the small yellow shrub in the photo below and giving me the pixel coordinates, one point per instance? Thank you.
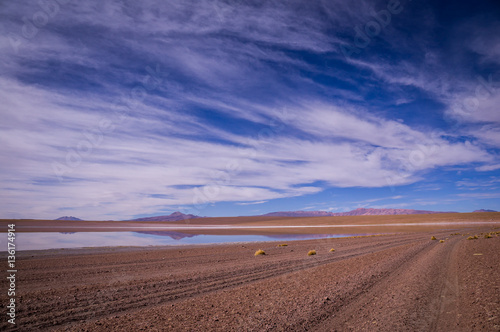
(433, 238)
(283, 245)
(441, 241)
(311, 252)
(332, 250)
(260, 252)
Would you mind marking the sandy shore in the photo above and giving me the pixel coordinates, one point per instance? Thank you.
(403, 282)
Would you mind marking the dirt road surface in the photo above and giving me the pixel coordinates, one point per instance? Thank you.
(402, 282)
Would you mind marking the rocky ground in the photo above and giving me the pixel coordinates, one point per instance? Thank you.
(402, 282)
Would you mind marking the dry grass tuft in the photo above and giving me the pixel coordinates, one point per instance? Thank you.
(487, 236)
(311, 252)
(332, 250)
(441, 241)
(260, 252)
(472, 237)
(433, 238)
(283, 245)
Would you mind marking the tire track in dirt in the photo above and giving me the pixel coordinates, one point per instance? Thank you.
(366, 287)
(418, 286)
(358, 296)
(446, 317)
(53, 311)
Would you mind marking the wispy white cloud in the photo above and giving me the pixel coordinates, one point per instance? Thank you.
(251, 203)
(487, 168)
(232, 117)
(428, 187)
(480, 195)
(490, 183)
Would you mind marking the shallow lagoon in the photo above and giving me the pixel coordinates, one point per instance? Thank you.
(58, 240)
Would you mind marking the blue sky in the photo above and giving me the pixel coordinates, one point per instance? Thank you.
(118, 109)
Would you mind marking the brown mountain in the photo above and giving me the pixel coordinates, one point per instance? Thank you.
(357, 212)
(176, 216)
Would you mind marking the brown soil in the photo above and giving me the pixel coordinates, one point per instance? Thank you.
(402, 282)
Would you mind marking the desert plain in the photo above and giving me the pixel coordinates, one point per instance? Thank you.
(395, 279)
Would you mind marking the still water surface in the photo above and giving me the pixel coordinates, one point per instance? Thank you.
(56, 240)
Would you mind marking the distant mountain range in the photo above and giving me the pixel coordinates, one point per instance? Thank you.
(357, 212)
(69, 218)
(176, 216)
